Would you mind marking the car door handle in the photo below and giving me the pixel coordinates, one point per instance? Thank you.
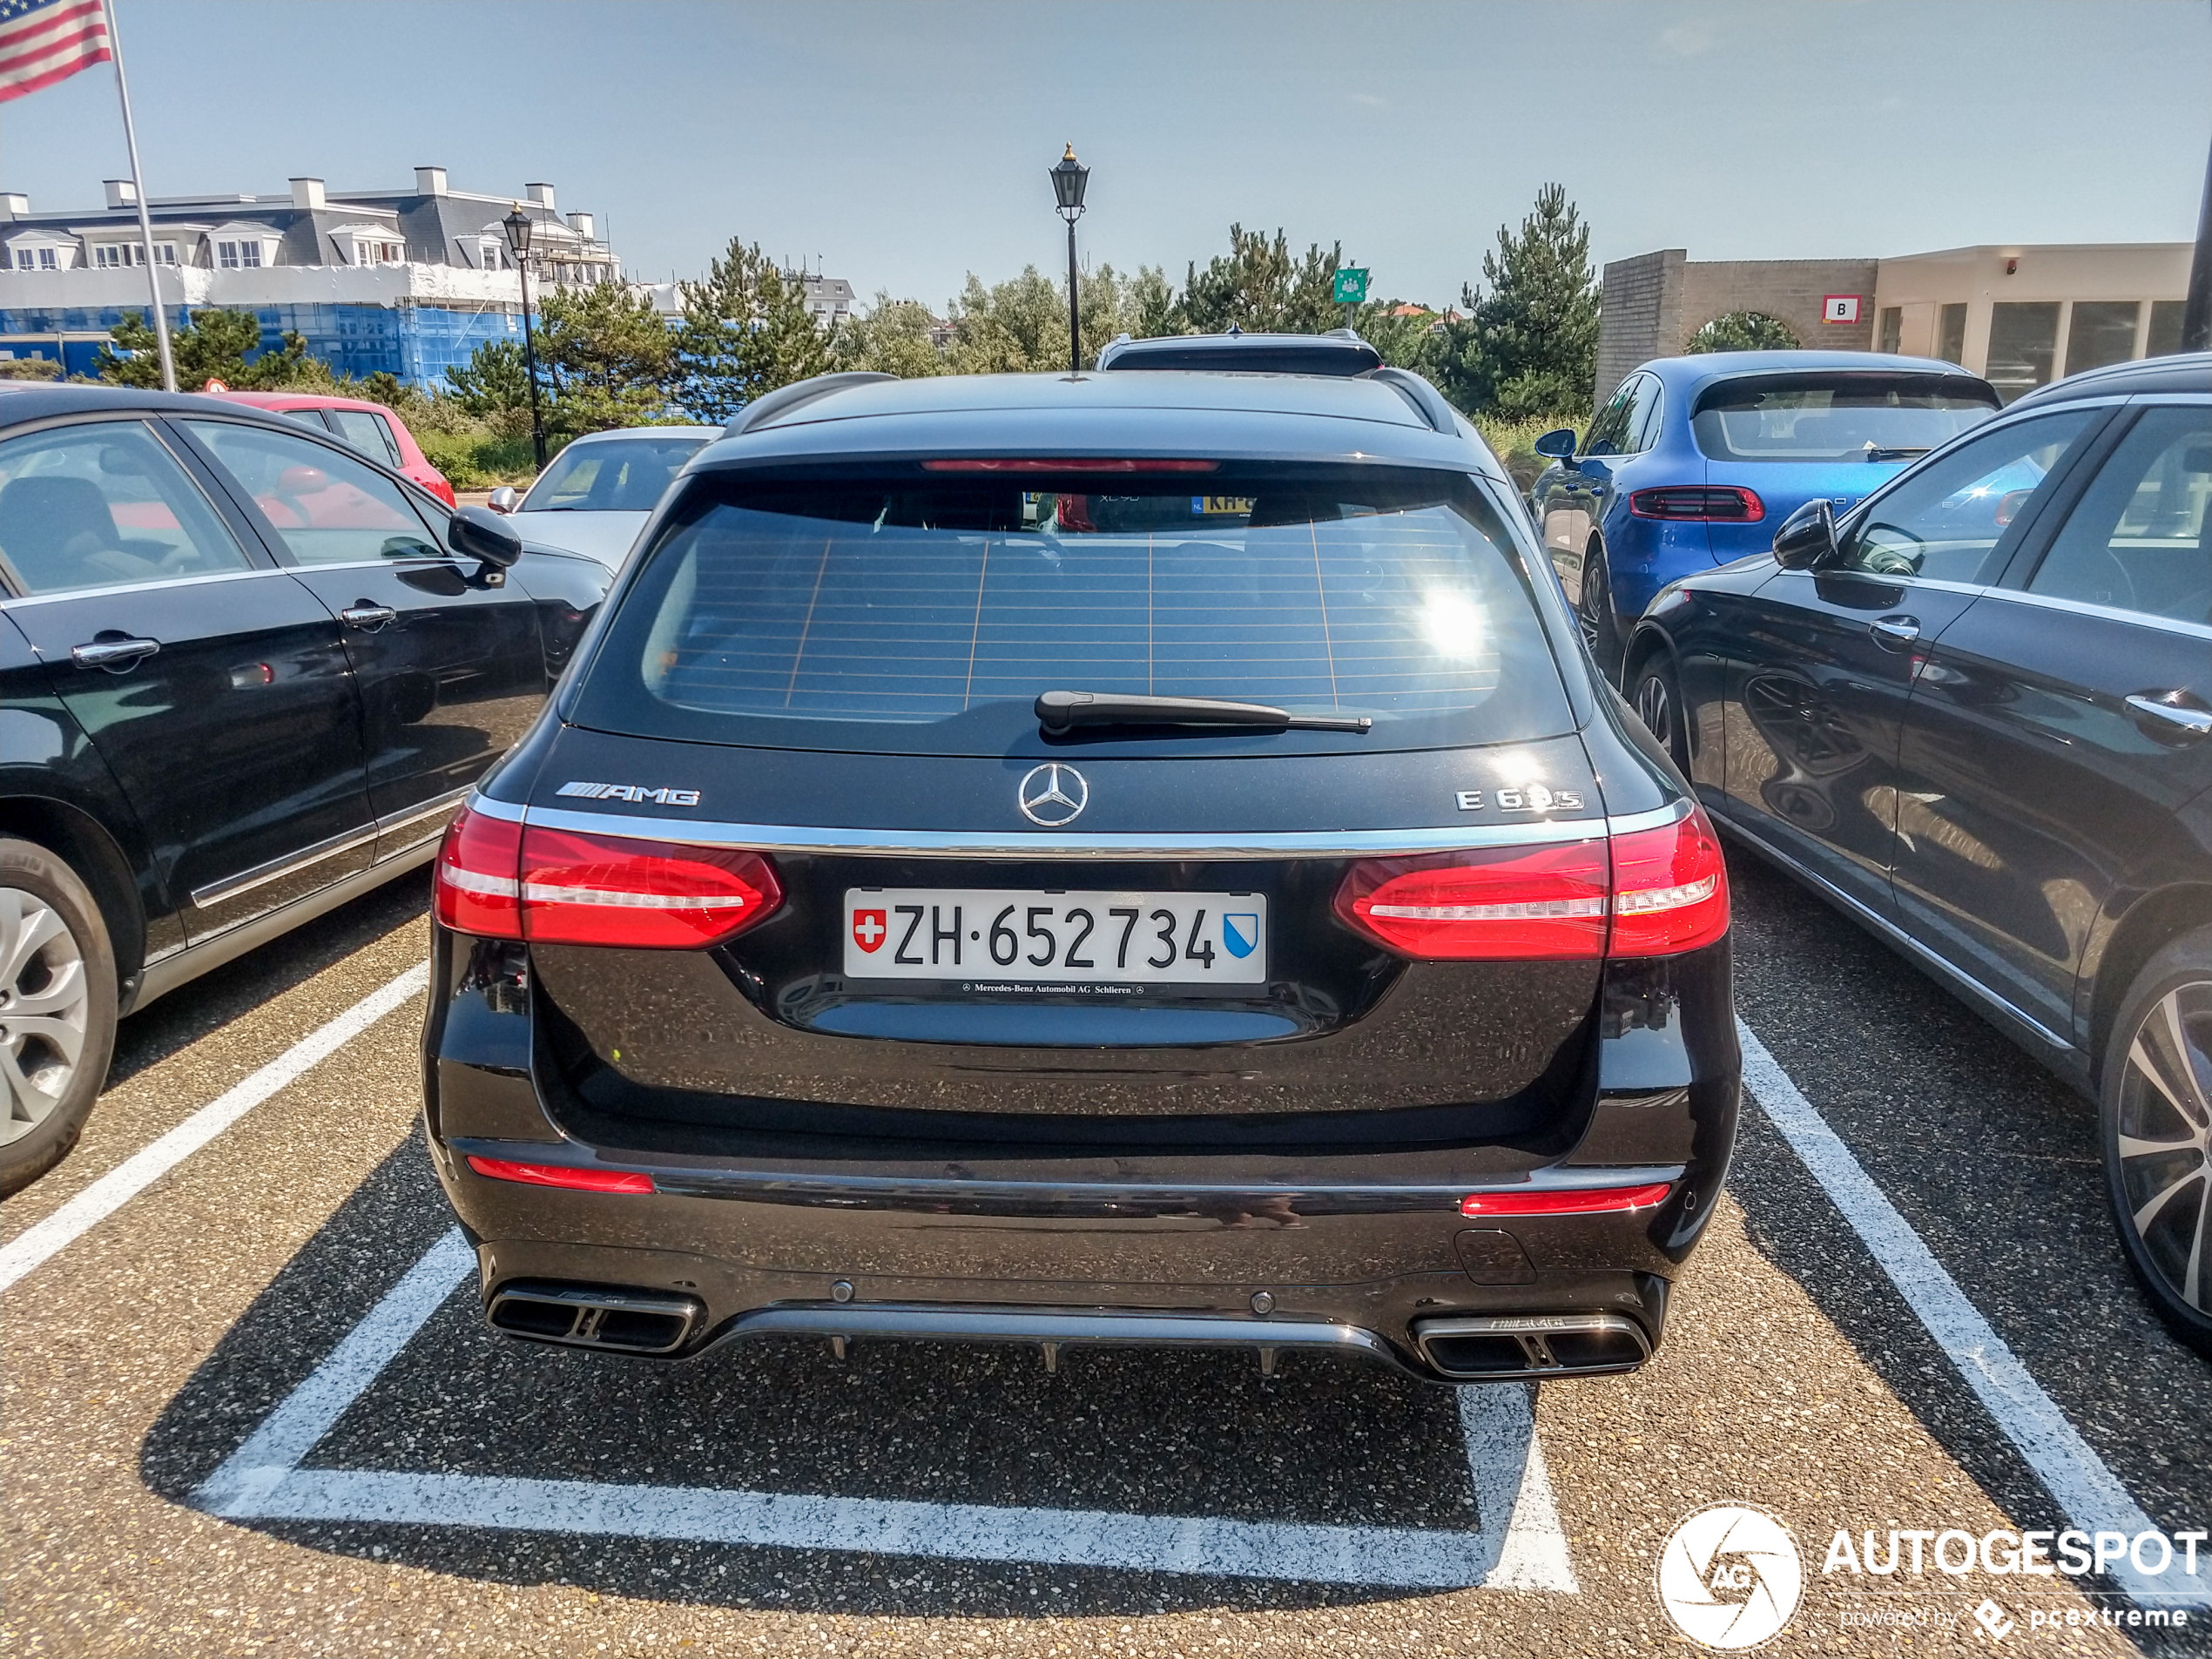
(2187, 721)
(114, 655)
(1894, 633)
(364, 614)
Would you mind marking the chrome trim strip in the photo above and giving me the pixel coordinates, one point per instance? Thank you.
(437, 807)
(2110, 613)
(7, 603)
(1054, 1328)
(1942, 966)
(277, 869)
(976, 844)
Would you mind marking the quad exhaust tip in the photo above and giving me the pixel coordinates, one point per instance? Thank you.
(584, 1317)
(1532, 1346)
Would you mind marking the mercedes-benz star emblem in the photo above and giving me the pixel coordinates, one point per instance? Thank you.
(1053, 794)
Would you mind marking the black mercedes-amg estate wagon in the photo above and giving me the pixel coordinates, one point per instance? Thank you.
(1106, 859)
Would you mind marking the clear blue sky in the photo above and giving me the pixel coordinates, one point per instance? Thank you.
(906, 145)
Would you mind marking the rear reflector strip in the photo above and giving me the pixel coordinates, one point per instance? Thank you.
(562, 1175)
(1584, 1201)
(1076, 463)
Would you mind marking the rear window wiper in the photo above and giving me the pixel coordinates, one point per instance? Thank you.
(1062, 711)
(1875, 452)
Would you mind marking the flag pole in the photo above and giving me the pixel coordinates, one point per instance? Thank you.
(138, 189)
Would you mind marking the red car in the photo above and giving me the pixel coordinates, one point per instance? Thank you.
(369, 427)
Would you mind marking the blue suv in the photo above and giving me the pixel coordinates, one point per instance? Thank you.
(1695, 461)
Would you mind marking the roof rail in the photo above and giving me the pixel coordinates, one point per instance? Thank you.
(1427, 401)
(784, 399)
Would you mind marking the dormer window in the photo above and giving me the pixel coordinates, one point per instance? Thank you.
(366, 252)
(235, 256)
(47, 261)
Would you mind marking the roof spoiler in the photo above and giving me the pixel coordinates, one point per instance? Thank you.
(1427, 401)
(784, 399)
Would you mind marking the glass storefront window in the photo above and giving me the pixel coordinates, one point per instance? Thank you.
(1951, 334)
(2165, 327)
(2023, 342)
(2102, 331)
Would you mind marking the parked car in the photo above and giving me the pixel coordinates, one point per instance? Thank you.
(1224, 912)
(377, 432)
(1696, 459)
(1978, 720)
(604, 486)
(245, 675)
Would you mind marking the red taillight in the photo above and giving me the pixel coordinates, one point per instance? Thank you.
(477, 889)
(1585, 1201)
(1498, 904)
(651, 895)
(1669, 889)
(561, 887)
(1078, 463)
(1726, 501)
(560, 1174)
(1652, 893)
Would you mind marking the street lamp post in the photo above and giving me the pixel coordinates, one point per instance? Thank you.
(518, 240)
(1068, 181)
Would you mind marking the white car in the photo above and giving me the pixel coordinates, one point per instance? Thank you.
(594, 496)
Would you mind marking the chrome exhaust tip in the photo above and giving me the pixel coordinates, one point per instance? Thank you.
(587, 1316)
(1508, 1347)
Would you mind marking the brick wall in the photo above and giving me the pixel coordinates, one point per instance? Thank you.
(1642, 300)
(1789, 289)
(1655, 301)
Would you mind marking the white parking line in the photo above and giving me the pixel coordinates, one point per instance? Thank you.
(142, 1169)
(1518, 1545)
(2091, 1494)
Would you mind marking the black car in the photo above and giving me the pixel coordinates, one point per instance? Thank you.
(1977, 714)
(245, 675)
(1125, 858)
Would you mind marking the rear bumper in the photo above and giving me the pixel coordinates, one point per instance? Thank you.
(1361, 1271)
(1362, 1254)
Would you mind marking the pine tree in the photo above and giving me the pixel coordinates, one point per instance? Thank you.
(1528, 345)
(1260, 286)
(212, 345)
(746, 330)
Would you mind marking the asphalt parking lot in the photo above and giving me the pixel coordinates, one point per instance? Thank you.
(252, 1409)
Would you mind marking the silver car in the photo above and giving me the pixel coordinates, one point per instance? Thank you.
(602, 487)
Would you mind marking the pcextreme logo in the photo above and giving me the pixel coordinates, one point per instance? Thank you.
(1730, 1577)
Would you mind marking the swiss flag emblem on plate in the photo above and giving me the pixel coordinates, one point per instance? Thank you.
(870, 929)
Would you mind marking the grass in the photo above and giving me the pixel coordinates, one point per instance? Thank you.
(479, 459)
(1513, 441)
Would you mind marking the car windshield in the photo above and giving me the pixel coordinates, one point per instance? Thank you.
(613, 475)
(1836, 417)
(817, 615)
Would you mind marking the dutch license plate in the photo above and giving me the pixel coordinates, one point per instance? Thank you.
(983, 935)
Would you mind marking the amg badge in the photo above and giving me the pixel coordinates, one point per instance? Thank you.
(631, 792)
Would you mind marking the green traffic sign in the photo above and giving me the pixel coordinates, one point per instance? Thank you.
(1352, 286)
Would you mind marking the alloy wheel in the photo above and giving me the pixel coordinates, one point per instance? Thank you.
(1656, 708)
(2165, 1139)
(1589, 608)
(45, 1004)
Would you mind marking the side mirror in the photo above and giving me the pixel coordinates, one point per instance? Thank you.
(1558, 445)
(477, 533)
(1807, 538)
(504, 500)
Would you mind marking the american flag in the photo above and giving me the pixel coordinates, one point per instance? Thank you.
(45, 41)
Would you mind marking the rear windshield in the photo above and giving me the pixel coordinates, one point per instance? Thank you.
(929, 613)
(612, 476)
(1836, 417)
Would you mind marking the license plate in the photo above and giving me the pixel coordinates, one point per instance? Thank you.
(982, 935)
